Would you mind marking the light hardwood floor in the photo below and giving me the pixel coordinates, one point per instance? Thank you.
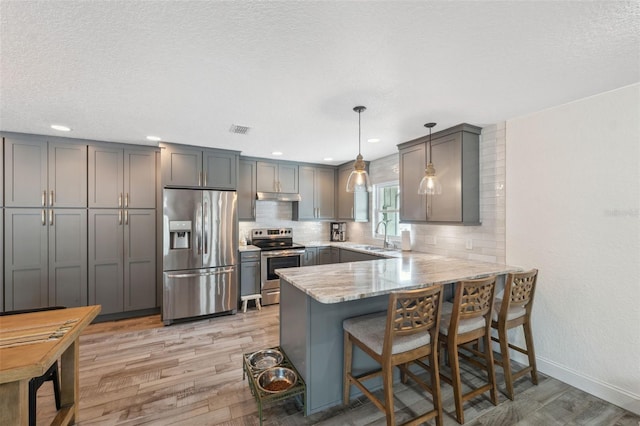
(137, 372)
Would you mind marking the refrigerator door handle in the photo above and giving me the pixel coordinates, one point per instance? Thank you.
(206, 228)
(218, 271)
(198, 229)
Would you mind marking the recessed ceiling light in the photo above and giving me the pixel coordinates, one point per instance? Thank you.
(328, 159)
(154, 138)
(60, 128)
(373, 140)
(276, 153)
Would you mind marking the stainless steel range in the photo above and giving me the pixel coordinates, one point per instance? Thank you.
(277, 251)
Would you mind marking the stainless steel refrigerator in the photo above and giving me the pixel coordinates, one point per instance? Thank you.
(200, 246)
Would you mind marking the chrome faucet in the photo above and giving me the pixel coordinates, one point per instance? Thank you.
(386, 242)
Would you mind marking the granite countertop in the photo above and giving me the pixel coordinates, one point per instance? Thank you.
(248, 247)
(363, 248)
(341, 282)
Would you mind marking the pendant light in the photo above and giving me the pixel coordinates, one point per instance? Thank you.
(430, 185)
(359, 178)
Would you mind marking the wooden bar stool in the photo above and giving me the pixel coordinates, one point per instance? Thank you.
(396, 338)
(467, 321)
(512, 311)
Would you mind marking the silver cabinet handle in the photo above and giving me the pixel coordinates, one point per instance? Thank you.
(44, 198)
(126, 200)
(199, 178)
(205, 178)
(51, 198)
(119, 217)
(126, 217)
(51, 217)
(120, 200)
(44, 217)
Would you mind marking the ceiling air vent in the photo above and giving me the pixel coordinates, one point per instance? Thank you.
(241, 130)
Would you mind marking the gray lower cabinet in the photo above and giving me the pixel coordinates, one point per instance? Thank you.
(317, 192)
(39, 173)
(351, 205)
(188, 166)
(122, 178)
(249, 273)
(456, 158)
(46, 258)
(247, 190)
(355, 256)
(275, 176)
(122, 269)
(328, 255)
(310, 256)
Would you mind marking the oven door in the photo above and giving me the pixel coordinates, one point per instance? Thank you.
(269, 281)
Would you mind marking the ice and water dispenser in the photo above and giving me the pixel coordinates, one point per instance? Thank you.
(180, 234)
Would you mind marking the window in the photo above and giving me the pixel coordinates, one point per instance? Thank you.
(387, 210)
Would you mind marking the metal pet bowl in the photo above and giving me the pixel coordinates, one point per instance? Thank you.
(277, 379)
(264, 359)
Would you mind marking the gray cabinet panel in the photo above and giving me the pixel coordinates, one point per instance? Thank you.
(67, 175)
(447, 206)
(277, 177)
(139, 179)
(181, 166)
(355, 256)
(25, 164)
(325, 256)
(26, 256)
(249, 278)
(1, 190)
(106, 260)
(247, 190)
(67, 257)
(139, 259)
(106, 177)
(220, 170)
(288, 178)
(413, 206)
(310, 256)
(325, 193)
(307, 205)
(1, 261)
(317, 193)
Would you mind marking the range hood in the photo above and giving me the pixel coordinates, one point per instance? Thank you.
(277, 196)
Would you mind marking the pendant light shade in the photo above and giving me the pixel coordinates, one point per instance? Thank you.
(359, 178)
(430, 184)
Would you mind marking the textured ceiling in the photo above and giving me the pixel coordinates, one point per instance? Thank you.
(292, 71)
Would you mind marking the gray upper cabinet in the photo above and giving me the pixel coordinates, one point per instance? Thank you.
(122, 178)
(44, 174)
(220, 169)
(46, 258)
(247, 191)
(185, 166)
(317, 192)
(277, 177)
(456, 158)
(351, 205)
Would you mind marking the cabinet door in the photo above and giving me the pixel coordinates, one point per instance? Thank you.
(139, 259)
(106, 260)
(67, 175)
(139, 179)
(267, 177)
(310, 256)
(220, 171)
(325, 256)
(413, 206)
(325, 193)
(345, 199)
(25, 169)
(288, 178)
(307, 204)
(249, 278)
(106, 178)
(67, 257)
(1, 192)
(1, 260)
(447, 160)
(25, 245)
(247, 191)
(181, 166)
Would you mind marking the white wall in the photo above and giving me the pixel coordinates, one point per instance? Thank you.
(573, 212)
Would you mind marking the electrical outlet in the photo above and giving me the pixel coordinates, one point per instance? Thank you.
(469, 244)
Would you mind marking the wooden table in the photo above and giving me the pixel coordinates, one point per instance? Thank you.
(29, 345)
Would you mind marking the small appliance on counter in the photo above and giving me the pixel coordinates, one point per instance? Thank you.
(338, 231)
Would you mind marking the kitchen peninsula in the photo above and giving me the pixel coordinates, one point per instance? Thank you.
(314, 301)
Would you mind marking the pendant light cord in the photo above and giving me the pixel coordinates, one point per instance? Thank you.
(359, 130)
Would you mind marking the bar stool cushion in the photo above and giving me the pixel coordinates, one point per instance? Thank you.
(514, 311)
(464, 326)
(369, 329)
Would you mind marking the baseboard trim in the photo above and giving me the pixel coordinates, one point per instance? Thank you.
(609, 393)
